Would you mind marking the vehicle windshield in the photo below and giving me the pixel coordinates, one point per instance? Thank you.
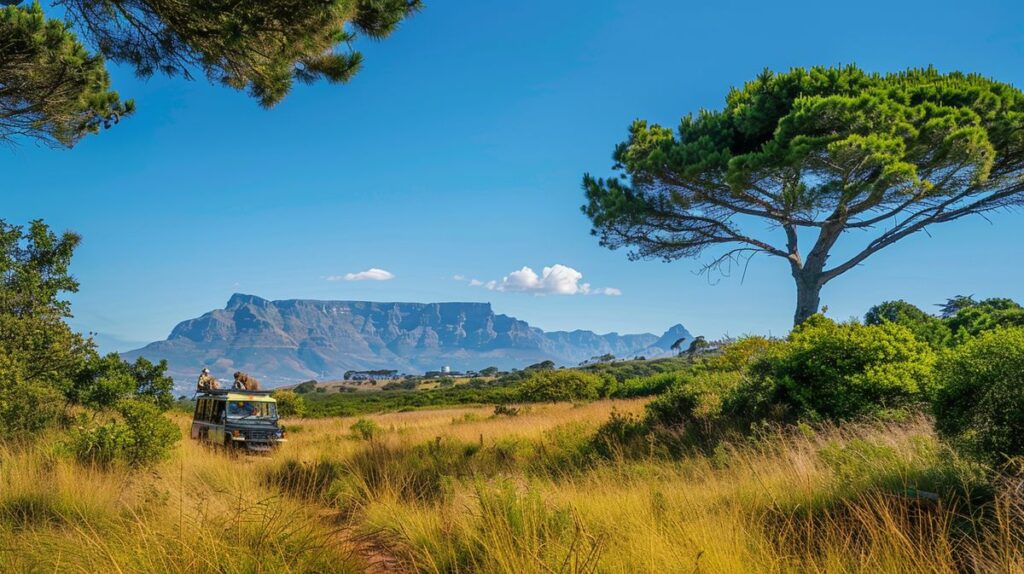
(251, 409)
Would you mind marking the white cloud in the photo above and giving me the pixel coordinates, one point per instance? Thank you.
(372, 274)
(557, 279)
(459, 277)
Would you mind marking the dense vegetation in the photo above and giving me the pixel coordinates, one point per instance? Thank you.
(963, 366)
(52, 378)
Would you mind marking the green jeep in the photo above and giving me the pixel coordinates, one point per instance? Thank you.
(237, 418)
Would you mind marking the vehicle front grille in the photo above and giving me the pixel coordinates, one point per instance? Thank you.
(259, 435)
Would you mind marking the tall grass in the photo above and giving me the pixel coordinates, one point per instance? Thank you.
(200, 512)
(825, 500)
(461, 490)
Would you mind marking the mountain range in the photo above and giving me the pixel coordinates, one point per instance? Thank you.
(293, 340)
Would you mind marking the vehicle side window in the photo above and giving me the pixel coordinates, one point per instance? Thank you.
(218, 411)
(199, 410)
(205, 414)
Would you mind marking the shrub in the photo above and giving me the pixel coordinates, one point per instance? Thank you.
(975, 318)
(980, 404)
(140, 436)
(739, 354)
(566, 385)
(365, 429)
(506, 410)
(927, 328)
(649, 385)
(104, 381)
(25, 408)
(693, 409)
(835, 371)
(289, 403)
(622, 436)
(697, 397)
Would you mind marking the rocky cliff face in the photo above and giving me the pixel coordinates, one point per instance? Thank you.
(294, 340)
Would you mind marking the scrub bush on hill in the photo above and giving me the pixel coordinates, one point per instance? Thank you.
(355, 404)
(697, 395)
(691, 407)
(824, 371)
(565, 385)
(980, 404)
(289, 403)
(739, 354)
(695, 405)
(624, 370)
(839, 371)
(649, 385)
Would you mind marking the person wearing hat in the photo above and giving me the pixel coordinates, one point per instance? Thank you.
(206, 381)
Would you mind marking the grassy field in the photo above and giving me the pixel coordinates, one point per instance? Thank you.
(460, 490)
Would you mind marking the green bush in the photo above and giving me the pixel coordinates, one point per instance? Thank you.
(365, 429)
(697, 398)
(692, 411)
(980, 404)
(564, 385)
(25, 408)
(105, 381)
(289, 403)
(139, 436)
(927, 328)
(836, 371)
(622, 436)
(739, 354)
(649, 385)
(975, 318)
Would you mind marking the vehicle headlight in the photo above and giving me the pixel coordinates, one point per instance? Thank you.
(236, 433)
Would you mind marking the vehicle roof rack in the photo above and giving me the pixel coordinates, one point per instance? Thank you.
(222, 392)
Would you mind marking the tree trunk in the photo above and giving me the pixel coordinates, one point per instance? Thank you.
(808, 296)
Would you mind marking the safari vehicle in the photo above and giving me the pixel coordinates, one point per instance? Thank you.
(237, 418)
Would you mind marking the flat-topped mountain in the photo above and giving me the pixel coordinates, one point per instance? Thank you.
(298, 339)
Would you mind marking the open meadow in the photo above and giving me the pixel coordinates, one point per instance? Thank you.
(464, 490)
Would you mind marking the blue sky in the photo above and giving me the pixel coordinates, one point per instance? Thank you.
(459, 149)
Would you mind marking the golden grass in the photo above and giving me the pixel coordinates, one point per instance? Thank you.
(201, 511)
(459, 490)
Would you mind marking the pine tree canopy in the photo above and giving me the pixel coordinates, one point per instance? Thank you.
(254, 45)
(824, 151)
(52, 88)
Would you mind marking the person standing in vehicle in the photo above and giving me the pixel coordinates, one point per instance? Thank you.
(206, 381)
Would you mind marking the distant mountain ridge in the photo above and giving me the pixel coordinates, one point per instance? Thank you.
(299, 339)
